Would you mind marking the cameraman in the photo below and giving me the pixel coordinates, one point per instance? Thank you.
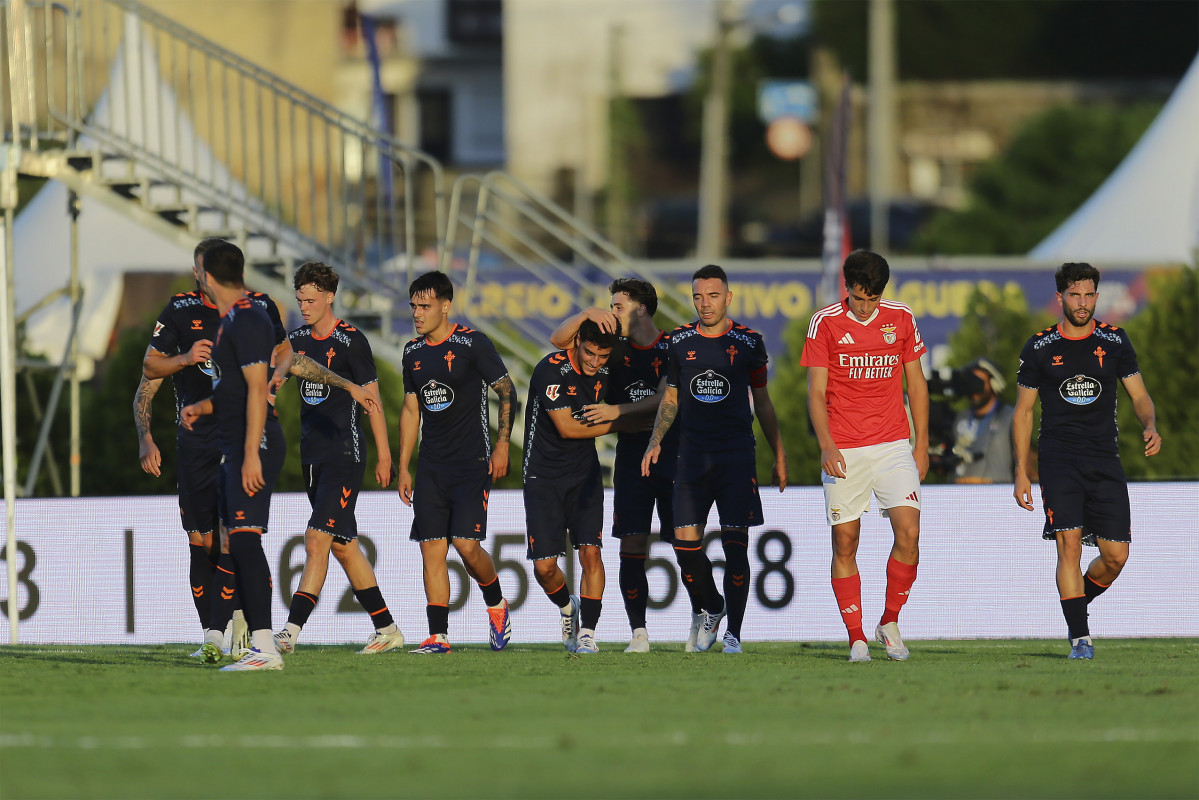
(983, 432)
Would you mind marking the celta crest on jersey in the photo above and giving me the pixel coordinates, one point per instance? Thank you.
(1080, 390)
(436, 396)
(710, 387)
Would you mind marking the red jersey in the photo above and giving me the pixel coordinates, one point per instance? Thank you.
(865, 363)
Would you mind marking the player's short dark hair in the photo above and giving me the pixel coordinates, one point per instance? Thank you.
(867, 270)
(590, 332)
(639, 291)
(319, 274)
(1074, 271)
(436, 282)
(710, 271)
(204, 246)
(225, 264)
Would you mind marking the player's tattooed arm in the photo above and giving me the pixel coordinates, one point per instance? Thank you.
(507, 397)
(667, 411)
(304, 367)
(146, 389)
(147, 452)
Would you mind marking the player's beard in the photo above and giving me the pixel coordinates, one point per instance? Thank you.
(1073, 315)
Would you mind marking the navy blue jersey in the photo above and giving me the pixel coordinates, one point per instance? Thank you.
(635, 373)
(1077, 381)
(185, 320)
(330, 424)
(558, 383)
(450, 380)
(713, 376)
(246, 336)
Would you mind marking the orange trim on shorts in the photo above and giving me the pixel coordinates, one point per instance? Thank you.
(585, 597)
(1075, 597)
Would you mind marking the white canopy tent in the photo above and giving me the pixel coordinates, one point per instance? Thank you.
(1147, 211)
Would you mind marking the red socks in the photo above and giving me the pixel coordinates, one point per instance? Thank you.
(900, 578)
(849, 599)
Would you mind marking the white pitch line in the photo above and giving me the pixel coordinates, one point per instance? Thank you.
(673, 739)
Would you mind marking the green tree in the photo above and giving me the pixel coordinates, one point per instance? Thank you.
(789, 393)
(1052, 165)
(995, 326)
(1166, 336)
(1028, 39)
(109, 450)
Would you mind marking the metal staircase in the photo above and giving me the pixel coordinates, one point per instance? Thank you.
(130, 109)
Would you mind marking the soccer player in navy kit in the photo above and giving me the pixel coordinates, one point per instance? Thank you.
(715, 367)
(564, 490)
(447, 370)
(333, 455)
(1073, 368)
(250, 438)
(637, 382)
(181, 346)
(251, 441)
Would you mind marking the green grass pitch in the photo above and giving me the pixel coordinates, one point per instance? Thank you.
(961, 719)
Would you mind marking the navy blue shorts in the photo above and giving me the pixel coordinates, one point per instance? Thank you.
(1085, 492)
(558, 509)
(333, 492)
(634, 497)
(450, 503)
(238, 510)
(729, 479)
(198, 476)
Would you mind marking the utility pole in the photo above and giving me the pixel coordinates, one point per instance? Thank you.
(881, 121)
(714, 156)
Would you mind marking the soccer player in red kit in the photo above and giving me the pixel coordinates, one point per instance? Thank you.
(858, 353)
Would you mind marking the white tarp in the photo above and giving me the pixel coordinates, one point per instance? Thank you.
(1147, 211)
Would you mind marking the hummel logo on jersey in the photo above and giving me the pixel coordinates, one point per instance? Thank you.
(198, 325)
(846, 339)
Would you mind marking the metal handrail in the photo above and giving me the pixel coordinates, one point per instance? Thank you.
(225, 131)
(544, 216)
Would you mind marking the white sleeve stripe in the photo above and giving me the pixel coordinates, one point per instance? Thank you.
(820, 316)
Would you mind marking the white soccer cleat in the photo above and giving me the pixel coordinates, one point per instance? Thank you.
(639, 643)
(731, 643)
(285, 641)
(255, 659)
(586, 642)
(696, 621)
(709, 628)
(888, 636)
(859, 651)
(570, 625)
(382, 642)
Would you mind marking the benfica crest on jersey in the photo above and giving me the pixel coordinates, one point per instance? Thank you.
(888, 334)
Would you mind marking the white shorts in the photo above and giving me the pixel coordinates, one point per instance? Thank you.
(888, 469)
